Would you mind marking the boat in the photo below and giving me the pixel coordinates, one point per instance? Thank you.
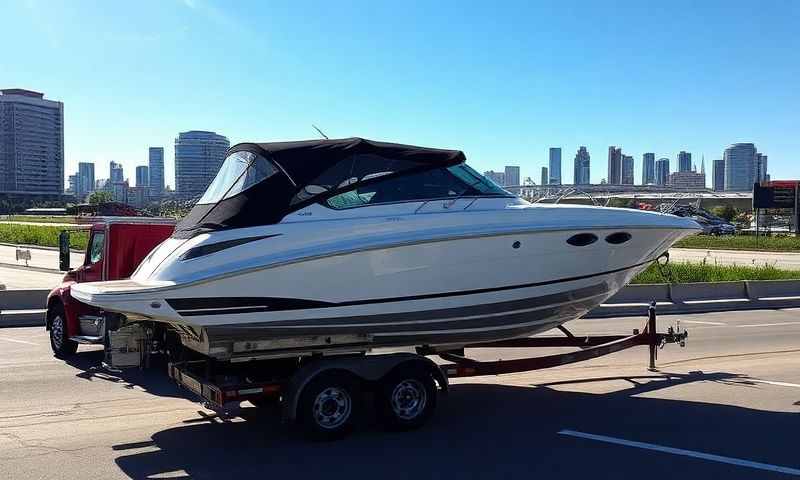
(300, 246)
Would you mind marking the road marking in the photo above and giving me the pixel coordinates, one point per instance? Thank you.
(703, 323)
(767, 324)
(17, 341)
(680, 451)
(780, 384)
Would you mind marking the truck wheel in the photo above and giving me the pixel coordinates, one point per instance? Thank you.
(59, 341)
(406, 398)
(329, 406)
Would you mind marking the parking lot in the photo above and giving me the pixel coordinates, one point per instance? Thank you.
(727, 406)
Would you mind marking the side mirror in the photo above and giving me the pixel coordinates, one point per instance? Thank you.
(63, 251)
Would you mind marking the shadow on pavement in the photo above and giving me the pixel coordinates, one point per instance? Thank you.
(153, 380)
(485, 430)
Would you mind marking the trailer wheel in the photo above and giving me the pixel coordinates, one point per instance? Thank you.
(329, 406)
(59, 341)
(406, 398)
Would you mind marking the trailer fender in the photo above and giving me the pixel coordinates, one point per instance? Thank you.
(369, 368)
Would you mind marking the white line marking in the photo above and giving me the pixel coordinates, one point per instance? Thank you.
(17, 341)
(780, 384)
(680, 451)
(767, 324)
(703, 323)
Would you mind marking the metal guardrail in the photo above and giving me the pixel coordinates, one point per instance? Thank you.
(702, 297)
(23, 308)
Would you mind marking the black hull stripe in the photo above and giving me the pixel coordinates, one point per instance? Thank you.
(480, 323)
(462, 314)
(228, 305)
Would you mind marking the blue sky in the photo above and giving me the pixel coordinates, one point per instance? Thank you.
(502, 81)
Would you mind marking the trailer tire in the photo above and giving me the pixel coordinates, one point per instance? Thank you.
(406, 398)
(329, 406)
(62, 346)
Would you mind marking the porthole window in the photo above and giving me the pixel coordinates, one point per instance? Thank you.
(582, 239)
(618, 238)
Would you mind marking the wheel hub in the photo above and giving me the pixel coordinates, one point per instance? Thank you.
(332, 407)
(409, 398)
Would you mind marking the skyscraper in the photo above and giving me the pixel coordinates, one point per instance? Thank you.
(614, 165)
(555, 166)
(512, 175)
(497, 177)
(627, 170)
(545, 177)
(718, 180)
(142, 176)
(31, 143)
(85, 178)
(115, 172)
(662, 171)
(684, 161)
(740, 167)
(155, 160)
(761, 167)
(648, 168)
(581, 170)
(198, 157)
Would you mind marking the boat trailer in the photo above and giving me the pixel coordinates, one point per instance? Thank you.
(591, 347)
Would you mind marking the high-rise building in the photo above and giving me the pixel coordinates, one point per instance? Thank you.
(662, 171)
(718, 171)
(116, 173)
(740, 167)
(648, 168)
(627, 170)
(31, 143)
(614, 165)
(512, 175)
(555, 166)
(72, 184)
(545, 177)
(688, 180)
(142, 176)
(198, 158)
(581, 171)
(155, 160)
(684, 161)
(85, 178)
(761, 167)
(497, 177)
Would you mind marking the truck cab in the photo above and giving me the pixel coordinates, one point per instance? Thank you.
(116, 246)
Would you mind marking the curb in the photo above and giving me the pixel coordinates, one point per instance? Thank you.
(35, 269)
(37, 247)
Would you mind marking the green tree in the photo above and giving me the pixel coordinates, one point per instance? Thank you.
(726, 212)
(100, 196)
(621, 202)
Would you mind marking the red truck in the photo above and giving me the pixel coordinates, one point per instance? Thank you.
(116, 247)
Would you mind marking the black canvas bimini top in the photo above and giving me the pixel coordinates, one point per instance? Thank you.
(305, 160)
(331, 166)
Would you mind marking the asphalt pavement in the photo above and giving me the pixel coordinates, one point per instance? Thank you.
(726, 406)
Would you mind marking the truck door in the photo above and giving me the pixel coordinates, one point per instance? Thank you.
(95, 257)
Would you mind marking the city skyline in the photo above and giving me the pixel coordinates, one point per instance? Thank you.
(481, 101)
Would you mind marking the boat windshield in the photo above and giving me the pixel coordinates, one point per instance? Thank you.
(468, 175)
(447, 183)
(240, 171)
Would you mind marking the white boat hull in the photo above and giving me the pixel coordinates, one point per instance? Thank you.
(449, 284)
